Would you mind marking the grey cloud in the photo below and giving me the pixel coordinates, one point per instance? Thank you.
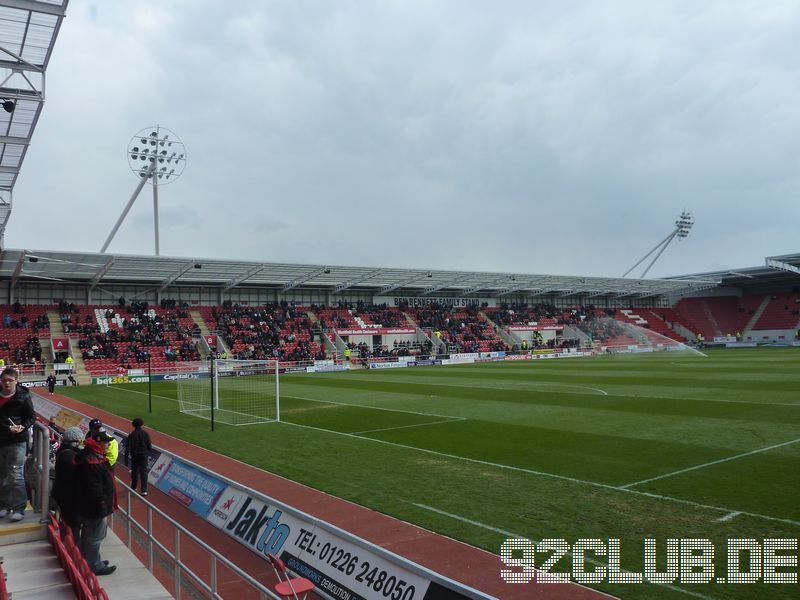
(532, 137)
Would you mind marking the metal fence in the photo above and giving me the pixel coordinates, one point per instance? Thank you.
(180, 560)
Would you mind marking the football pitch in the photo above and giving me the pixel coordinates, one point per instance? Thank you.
(628, 447)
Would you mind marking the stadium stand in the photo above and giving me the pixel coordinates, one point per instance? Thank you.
(275, 331)
(714, 315)
(337, 318)
(782, 312)
(110, 337)
(374, 316)
(648, 320)
(22, 328)
(463, 329)
(113, 338)
(603, 328)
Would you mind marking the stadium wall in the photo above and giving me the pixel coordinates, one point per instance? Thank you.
(775, 336)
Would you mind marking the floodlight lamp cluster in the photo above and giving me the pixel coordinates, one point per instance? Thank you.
(8, 105)
(684, 224)
(154, 155)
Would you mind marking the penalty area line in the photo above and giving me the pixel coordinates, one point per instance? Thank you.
(597, 484)
(522, 386)
(711, 463)
(399, 410)
(453, 420)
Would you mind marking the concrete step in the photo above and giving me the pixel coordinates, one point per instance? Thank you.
(27, 530)
(199, 321)
(34, 572)
(56, 327)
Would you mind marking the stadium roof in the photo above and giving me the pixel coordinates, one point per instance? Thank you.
(95, 268)
(28, 31)
(776, 270)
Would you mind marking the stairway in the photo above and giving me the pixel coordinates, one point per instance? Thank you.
(57, 330)
(572, 332)
(757, 315)
(316, 328)
(56, 327)
(30, 563)
(508, 337)
(199, 321)
(410, 319)
(202, 347)
(710, 316)
(81, 374)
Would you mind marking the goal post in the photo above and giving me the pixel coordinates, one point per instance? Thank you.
(241, 392)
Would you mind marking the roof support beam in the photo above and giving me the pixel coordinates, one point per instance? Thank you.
(400, 284)
(243, 277)
(307, 277)
(177, 275)
(10, 139)
(18, 269)
(490, 283)
(101, 273)
(516, 288)
(352, 282)
(446, 284)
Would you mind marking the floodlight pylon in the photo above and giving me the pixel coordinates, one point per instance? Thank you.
(683, 226)
(157, 156)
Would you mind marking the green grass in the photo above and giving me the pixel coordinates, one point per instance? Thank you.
(540, 449)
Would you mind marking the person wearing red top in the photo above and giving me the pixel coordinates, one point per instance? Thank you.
(96, 499)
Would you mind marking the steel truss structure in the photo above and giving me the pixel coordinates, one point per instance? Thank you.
(28, 32)
(93, 269)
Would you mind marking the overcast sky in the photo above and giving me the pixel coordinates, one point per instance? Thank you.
(516, 136)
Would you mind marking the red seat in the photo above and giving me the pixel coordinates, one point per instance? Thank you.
(289, 587)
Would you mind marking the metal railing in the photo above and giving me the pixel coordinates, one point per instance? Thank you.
(181, 570)
(41, 457)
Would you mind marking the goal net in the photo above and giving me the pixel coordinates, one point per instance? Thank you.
(240, 392)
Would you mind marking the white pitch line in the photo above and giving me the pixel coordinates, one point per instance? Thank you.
(510, 534)
(791, 404)
(122, 389)
(409, 412)
(521, 469)
(517, 536)
(613, 394)
(605, 486)
(453, 420)
(523, 386)
(729, 517)
(399, 410)
(713, 462)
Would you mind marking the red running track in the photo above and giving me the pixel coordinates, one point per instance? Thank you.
(461, 562)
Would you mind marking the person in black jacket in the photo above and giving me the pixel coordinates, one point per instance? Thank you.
(16, 417)
(95, 499)
(51, 383)
(137, 452)
(65, 485)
